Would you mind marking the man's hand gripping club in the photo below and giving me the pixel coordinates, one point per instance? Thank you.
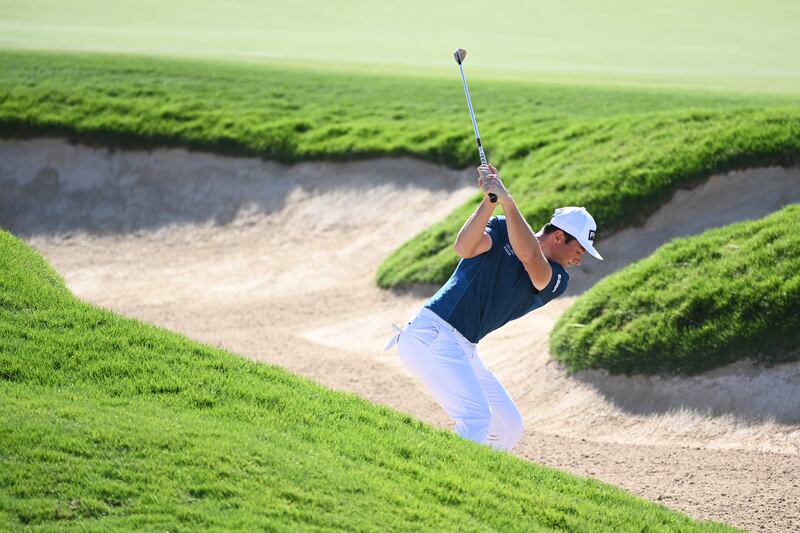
(523, 240)
(489, 181)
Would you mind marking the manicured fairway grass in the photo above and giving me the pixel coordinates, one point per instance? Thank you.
(695, 304)
(714, 43)
(110, 424)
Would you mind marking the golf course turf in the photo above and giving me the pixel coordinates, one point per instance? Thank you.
(696, 304)
(112, 424)
(683, 43)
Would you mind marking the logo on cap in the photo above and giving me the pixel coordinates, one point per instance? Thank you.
(591, 235)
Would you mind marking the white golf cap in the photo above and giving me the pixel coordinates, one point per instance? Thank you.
(579, 223)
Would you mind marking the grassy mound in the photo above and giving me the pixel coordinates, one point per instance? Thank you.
(620, 152)
(696, 304)
(111, 424)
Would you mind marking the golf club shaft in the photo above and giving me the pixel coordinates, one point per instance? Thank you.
(492, 196)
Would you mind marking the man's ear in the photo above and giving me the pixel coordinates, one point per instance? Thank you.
(558, 236)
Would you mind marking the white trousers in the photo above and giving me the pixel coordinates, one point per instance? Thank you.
(449, 367)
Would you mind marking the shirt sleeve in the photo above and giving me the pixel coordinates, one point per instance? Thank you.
(497, 229)
(558, 283)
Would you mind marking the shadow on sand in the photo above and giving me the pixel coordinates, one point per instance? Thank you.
(744, 390)
(50, 187)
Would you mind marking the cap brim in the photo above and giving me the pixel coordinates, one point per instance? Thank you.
(594, 252)
(589, 247)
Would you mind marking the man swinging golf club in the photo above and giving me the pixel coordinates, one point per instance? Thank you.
(506, 271)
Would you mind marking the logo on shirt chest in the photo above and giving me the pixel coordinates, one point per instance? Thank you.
(509, 250)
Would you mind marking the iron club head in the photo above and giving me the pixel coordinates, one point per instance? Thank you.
(460, 54)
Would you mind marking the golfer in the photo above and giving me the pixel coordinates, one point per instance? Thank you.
(506, 271)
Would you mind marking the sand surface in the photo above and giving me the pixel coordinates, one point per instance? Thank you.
(277, 263)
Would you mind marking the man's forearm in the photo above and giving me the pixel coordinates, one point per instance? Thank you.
(522, 237)
(472, 231)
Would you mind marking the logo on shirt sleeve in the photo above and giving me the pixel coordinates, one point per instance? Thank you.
(558, 282)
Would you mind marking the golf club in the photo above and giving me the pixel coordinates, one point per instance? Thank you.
(460, 54)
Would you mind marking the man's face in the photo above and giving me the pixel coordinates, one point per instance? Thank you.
(568, 254)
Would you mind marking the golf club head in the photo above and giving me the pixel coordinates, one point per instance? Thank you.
(460, 54)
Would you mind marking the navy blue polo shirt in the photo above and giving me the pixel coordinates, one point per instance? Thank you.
(493, 288)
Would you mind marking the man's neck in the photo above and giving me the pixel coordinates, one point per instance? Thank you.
(544, 245)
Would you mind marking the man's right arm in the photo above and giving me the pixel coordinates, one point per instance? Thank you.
(472, 240)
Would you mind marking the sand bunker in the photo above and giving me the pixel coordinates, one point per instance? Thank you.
(277, 263)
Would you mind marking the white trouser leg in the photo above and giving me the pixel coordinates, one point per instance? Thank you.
(507, 427)
(449, 367)
(440, 362)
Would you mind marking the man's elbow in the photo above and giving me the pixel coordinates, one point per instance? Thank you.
(460, 250)
(539, 272)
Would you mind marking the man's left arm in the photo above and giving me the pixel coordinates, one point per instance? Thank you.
(523, 239)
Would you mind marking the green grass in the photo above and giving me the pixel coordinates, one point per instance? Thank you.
(294, 114)
(715, 43)
(111, 424)
(696, 304)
